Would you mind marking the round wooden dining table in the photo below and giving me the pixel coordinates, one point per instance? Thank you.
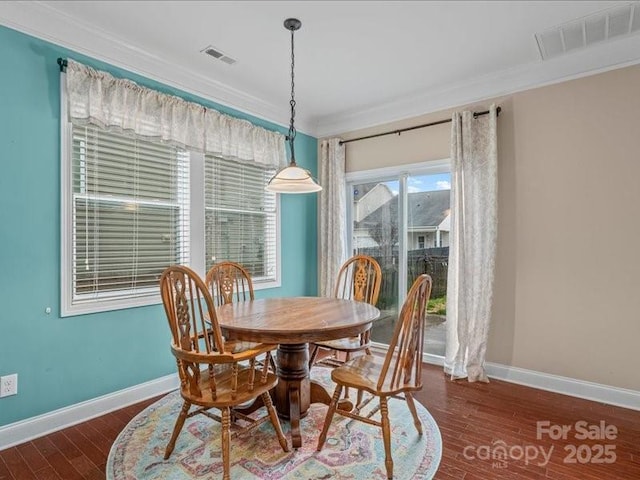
(293, 323)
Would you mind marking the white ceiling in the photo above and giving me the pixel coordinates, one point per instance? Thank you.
(358, 63)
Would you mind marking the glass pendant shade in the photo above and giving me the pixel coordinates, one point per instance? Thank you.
(293, 179)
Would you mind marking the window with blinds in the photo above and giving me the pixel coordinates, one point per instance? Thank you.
(241, 217)
(129, 214)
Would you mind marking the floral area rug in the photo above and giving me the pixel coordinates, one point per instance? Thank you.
(353, 450)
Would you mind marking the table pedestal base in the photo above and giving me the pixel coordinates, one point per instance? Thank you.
(292, 393)
(295, 391)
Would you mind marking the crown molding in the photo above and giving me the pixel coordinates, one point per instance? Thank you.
(44, 21)
(590, 61)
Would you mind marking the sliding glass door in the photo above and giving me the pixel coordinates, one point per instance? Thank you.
(402, 219)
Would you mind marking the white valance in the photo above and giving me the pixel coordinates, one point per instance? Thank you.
(99, 98)
(230, 137)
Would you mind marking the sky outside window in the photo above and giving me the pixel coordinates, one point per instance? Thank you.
(424, 183)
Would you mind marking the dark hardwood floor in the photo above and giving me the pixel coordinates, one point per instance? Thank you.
(473, 419)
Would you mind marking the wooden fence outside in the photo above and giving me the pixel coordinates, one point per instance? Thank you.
(434, 261)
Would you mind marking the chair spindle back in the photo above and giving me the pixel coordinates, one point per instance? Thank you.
(229, 282)
(403, 361)
(359, 279)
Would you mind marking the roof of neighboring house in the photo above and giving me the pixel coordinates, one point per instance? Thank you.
(364, 190)
(426, 209)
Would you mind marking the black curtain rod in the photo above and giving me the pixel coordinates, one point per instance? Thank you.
(63, 63)
(399, 131)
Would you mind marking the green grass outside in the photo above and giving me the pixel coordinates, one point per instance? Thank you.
(437, 306)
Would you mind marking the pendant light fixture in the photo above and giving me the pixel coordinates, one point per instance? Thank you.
(292, 178)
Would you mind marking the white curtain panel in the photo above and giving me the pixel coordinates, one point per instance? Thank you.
(332, 248)
(99, 98)
(474, 224)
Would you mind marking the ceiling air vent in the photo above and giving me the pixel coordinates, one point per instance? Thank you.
(609, 24)
(218, 54)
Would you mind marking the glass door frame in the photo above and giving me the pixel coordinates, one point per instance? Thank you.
(399, 173)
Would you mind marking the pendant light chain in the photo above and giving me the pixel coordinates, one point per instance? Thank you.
(292, 102)
(292, 178)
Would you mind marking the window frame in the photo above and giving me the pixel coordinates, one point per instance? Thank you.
(196, 233)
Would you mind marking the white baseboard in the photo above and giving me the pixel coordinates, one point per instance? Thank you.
(433, 359)
(620, 397)
(596, 392)
(34, 427)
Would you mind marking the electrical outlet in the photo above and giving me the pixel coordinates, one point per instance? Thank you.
(9, 385)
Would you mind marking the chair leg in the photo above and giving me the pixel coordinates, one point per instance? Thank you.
(313, 354)
(272, 362)
(266, 399)
(386, 436)
(327, 421)
(412, 407)
(366, 340)
(359, 397)
(347, 357)
(176, 429)
(226, 436)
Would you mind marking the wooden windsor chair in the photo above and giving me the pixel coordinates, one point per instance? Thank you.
(399, 372)
(213, 373)
(230, 282)
(359, 279)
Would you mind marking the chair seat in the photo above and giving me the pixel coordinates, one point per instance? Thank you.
(237, 346)
(363, 373)
(223, 379)
(351, 344)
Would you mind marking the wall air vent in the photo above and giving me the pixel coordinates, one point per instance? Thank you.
(218, 55)
(609, 24)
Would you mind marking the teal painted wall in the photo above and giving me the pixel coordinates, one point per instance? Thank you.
(63, 361)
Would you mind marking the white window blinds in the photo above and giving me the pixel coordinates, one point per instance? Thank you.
(241, 217)
(130, 214)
